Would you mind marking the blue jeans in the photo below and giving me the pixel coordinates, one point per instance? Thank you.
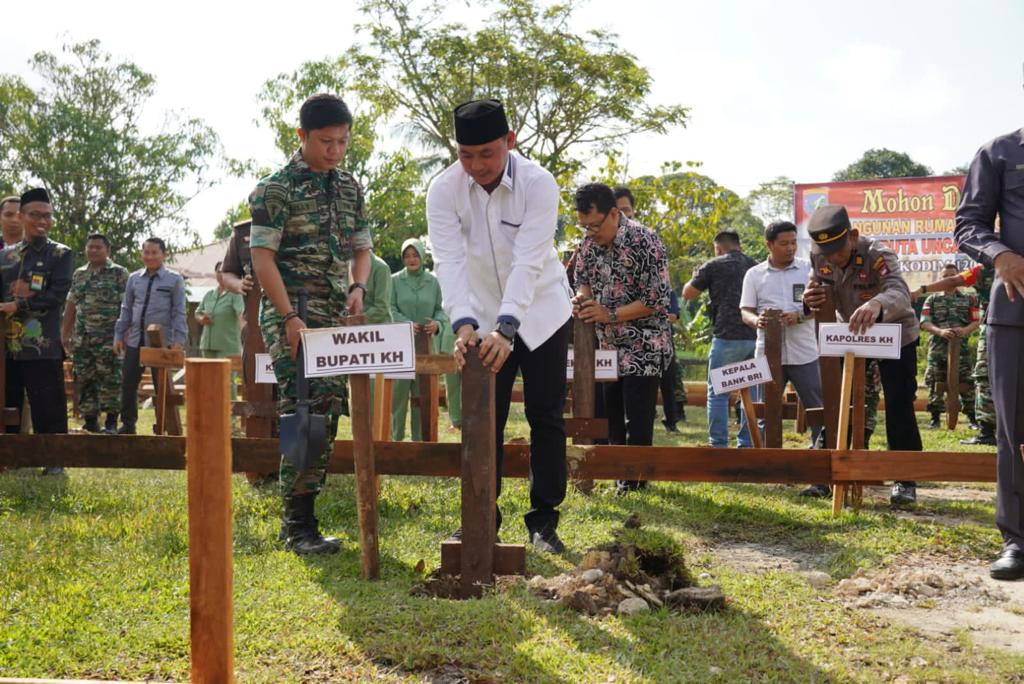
(724, 352)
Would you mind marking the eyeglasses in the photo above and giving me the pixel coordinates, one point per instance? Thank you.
(40, 216)
(595, 226)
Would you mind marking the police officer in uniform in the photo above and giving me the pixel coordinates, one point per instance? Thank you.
(995, 187)
(35, 276)
(868, 289)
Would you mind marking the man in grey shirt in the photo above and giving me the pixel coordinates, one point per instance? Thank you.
(154, 295)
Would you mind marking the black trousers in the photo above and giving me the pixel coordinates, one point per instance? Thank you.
(543, 372)
(899, 383)
(632, 405)
(43, 381)
(131, 374)
(1006, 375)
(668, 391)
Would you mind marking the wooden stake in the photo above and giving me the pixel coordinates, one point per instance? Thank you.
(842, 434)
(748, 408)
(952, 383)
(429, 393)
(208, 457)
(583, 387)
(479, 476)
(365, 472)
(830, 373)
(859, 414)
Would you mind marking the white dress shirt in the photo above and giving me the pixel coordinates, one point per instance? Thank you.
(495, 253)
(767, 287)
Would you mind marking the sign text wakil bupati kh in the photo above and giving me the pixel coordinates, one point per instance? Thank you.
(880, 341)
(740, 375)
(385, 348)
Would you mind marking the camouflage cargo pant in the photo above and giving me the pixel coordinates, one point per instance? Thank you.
(984, 411)
(872, 393)
(936, 372)
(328, 396)
(97, 373)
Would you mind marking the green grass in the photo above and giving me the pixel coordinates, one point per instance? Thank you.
(94, 583)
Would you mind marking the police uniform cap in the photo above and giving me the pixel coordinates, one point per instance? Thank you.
(479, 122)
(35, 195)
(828, 228)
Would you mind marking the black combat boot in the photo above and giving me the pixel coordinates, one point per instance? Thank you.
(303, 529)
(971, 422)
(986, 436)
(934, 424)
(110, 427)
(91, 424)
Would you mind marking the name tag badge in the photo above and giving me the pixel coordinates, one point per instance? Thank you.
(798, 292)
(38, 280)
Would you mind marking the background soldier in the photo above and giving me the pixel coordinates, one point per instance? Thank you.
(35, 276)
(87, 333)
(995, 187)
(868, 288)
(949, 315)
(307, 224)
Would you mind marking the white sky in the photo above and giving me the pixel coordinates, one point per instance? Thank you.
(776, 88)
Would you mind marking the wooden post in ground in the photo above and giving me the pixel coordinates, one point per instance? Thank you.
(748, 408)
(830, 373)
(843, 431)
(859, 411)
(168, 420)
(583, 386)
(365, 472)
(772, 390)
(252, 344)
(428, 390)
(208, 457)
(479, 476)
(952, 382)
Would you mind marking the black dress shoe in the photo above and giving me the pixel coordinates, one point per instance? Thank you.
(1009, 565)
(818, 491)
(903, 494)
(670, 427)
(980, 438)
(547, 541)
(126, 429)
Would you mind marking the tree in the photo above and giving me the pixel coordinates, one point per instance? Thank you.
(567, 95)
(393, 180)
(79, 135)
(773, 200)
(882, 163)
(239, 212)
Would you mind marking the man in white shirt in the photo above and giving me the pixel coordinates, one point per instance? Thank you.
(778, 283)
(491, 219)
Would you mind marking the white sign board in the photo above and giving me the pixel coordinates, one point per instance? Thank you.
(384, 348)
(880, 341)
(400, 376)
(740, 375)
(265, 370)
(606, 365)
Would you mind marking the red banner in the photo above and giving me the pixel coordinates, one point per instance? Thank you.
(912, 216)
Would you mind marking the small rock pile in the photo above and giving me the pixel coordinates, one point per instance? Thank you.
(641, 571)
(903, 587)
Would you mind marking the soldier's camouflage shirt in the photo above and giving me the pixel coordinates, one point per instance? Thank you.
(315, 222)
(980, 278)
(97, 296)
(949, 311)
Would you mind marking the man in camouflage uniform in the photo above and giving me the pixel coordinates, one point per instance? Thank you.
(872, 396)
(949, 315)
(94, 303)
(980, 278)
(308, 223)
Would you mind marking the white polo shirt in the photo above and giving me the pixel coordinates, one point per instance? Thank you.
(767, 287)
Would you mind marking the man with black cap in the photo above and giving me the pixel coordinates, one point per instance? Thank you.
(35, 276)
(867, 288)
(995, 187)
(732, 340)
(491, 218)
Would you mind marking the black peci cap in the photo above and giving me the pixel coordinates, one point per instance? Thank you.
(479, 122)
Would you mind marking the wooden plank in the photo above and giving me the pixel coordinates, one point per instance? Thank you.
(434, 364)
(773, 389)
(929, 466)
(952, 383)
(831, 375)
(846, 394)
(258, 425)
(748, 408)
(789, 411)
(479, 473)
(161, 357)
(585, 430)
(509, 559)
(208, 446)
(364, 468)
(12, 416)
(168, 420)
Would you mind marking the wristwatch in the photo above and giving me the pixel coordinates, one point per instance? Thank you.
(506, 330)
(613, 317)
